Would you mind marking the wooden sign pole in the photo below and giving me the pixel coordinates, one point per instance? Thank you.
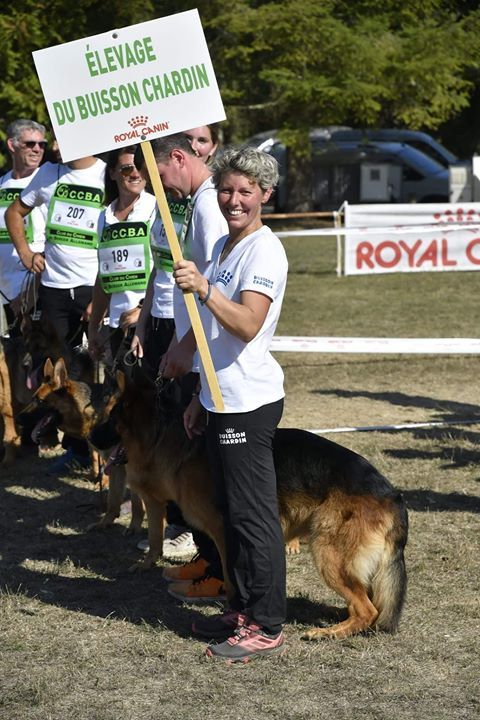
(176, 251)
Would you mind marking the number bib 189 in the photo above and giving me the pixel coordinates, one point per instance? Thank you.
(124, 257)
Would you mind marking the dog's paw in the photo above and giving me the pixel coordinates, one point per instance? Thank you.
(293, 547)
(132, 529)
(142, 565)
(105, 522)
(317, 634)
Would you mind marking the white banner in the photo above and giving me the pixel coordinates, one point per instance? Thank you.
(411, 238)
(129, 85)
(385, 215)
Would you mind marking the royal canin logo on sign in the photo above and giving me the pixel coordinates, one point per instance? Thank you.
(140, 130)
(458, 216)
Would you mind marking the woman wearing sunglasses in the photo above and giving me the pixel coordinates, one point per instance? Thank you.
(124, 258)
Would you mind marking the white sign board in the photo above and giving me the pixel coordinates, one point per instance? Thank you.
(125, 86)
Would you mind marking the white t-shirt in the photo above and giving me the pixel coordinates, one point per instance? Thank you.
(207, 225)
(66, 266)
(163, 282)
(248, 375)
(12, 272)
(144, 211)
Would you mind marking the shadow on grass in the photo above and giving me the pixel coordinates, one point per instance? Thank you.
(452, 454)
(430, 501)
(446, 409)
(47, 554)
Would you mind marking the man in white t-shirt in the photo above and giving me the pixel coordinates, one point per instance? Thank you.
(184, 174)
(74, 196)
(26, 144)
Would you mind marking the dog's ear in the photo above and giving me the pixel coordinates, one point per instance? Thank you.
(48, 369)
(60, 374)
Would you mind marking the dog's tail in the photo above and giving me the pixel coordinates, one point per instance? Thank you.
(389, 583)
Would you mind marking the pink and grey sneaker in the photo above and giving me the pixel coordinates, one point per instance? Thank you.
(219, 626)
(248, 642)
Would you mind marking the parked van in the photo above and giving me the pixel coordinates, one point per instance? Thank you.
(348, 165)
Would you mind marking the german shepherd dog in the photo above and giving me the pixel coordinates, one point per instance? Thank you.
(76, 407)
(21, 362)
(354, 521)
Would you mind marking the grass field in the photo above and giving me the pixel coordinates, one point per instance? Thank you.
(81, 638)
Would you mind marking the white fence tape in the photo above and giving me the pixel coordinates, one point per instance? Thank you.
(424, 346)
(381, 230)
(388, 428)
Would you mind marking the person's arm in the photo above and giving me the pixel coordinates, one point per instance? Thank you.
(194, 418)
(138, 339)
(99, 306)
(242, 320)
(178, 359)
(14, 216)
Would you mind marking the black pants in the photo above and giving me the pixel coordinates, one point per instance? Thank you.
(158, 336)
(241, 459)
(64, 308)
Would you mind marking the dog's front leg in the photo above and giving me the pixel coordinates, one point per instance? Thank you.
(116, 493)
(138, 512)
(156, 513)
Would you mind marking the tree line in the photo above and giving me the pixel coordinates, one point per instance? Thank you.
(290, 64)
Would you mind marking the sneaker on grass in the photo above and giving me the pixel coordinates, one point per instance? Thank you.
(247, 643)
(69, 462)
(192, 570)
(206, 589)
(220, 626)
(180, 546)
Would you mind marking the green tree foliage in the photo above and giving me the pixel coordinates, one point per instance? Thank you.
(292, 64)
(301, 63)
(28, 25)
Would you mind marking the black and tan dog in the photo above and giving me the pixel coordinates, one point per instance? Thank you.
(77, 407)
(22, 359)
(354, 521)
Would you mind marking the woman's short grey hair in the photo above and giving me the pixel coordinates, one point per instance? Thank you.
(17, 127)
(254, 164)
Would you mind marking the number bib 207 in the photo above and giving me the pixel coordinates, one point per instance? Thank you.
(73, 216)
(124, 257)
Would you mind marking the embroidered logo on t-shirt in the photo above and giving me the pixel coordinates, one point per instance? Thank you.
(266, 282)
(224, 277)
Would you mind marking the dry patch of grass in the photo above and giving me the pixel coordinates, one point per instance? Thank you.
(82, 638)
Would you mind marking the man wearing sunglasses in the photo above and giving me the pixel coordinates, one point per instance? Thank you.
(26, 144)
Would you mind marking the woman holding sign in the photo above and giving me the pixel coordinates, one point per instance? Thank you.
(124, 257)
(241, 297)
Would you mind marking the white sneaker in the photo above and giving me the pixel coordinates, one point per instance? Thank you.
(143, 545)
(180, 547)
